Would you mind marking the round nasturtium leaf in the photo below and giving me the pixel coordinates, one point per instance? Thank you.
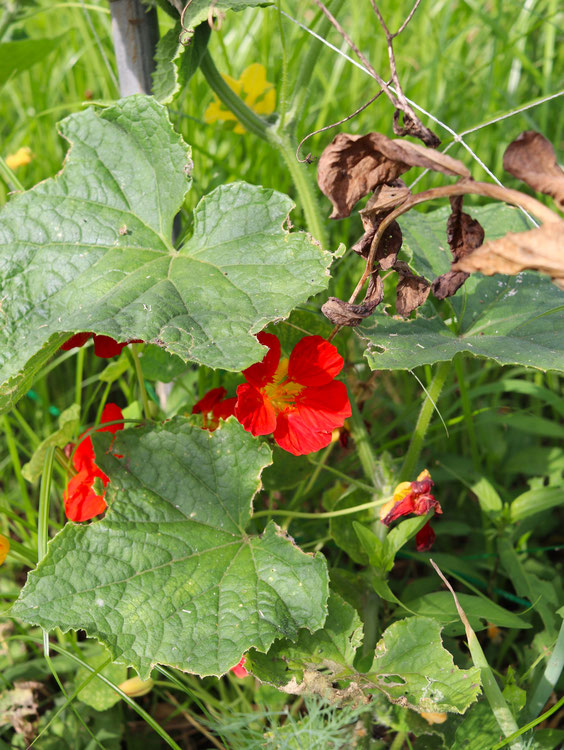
(170, 574)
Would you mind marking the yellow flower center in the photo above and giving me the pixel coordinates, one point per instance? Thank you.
(282, 392)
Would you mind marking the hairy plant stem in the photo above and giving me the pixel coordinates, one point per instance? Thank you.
(418, 437)
(279, 139)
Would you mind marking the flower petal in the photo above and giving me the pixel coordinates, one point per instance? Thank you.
(239, 669)
(224, 409)
(81, 502)
(83, 457)
(325, 407)
(293, 435)
(314, 361)
(79, 339)
(206, 404)
(424, 538)
(111, 413)
(263, 372)
(403, 508)
(254, 411)
(106, 346)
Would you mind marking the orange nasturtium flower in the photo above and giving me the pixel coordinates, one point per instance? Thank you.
(21, 157)
(253, 88)
(4, 548)
(213, 407)
(81, 500)
(298, 399)
(239, 669)
(413, 497)
(104, 346)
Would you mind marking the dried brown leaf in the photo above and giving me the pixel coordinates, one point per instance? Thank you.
(411, 291)
(343, 313)
(415, 128)
(389, 247)
(540, 249)
(385, 199)
(531, 158)
(464, 235)
(351, 166)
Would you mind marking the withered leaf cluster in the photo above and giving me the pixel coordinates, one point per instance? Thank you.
(530, 158)
(353, 166)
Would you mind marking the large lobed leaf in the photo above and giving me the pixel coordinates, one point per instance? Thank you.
(90, 250)
(510, 319)
(170, 575)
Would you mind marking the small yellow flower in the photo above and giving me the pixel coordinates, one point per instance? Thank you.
(434, 718)
(4, 548)
(136, 687)
(22, 157)
(257, 93)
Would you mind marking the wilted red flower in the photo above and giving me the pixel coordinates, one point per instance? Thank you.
(295, 399)
(213, 407)
(413, 497)
(81, 502)
(104, 346)
(239, 669)
(424, 538)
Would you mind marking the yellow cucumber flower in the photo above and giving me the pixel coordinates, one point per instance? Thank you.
(22, 157)
(253, 88)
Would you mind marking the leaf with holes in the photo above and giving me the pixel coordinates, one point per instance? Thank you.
(414, 670)
(331, 648)
(170, 575)
(510, 319)
(91, 250)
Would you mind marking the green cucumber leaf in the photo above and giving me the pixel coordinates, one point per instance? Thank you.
(170, 575)
(510, 319)
(414, 669)
(331, 648)
(198, 10)
(176, 63)
(90, 250)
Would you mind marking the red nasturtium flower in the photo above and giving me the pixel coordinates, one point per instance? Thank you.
(104, 346)
(295, 399)
(213, 407)
(413, 497)
(81, 501)
(239, 669)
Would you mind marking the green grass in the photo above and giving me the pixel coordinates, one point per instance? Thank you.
(464, 62)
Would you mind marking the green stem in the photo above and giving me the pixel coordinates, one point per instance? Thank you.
(141, 381)
(418, 437)
(78, 376)
(255, 124)
(549, 678)
(304, 187)
(398, 742)
(329, 514)
(13, 451)
(250, 121)
(9, 177)
(467, 411)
